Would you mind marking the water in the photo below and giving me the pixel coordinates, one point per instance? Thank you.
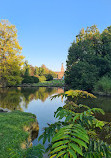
(34, 100)
(37, 101)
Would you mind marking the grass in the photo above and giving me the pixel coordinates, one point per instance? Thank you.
(13, 136)
(53, 83)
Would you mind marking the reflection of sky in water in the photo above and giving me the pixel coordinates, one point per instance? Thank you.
(35, 100)
(44, 112)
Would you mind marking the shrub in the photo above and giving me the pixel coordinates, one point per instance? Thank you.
(76, 135)
(30, 79)
(42, 78)
(36, 80)
(49, 77)
(104, 85)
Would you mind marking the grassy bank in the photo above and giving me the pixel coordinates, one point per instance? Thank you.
(53, 83)
(15, 133)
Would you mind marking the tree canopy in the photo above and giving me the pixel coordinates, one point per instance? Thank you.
(11, 59)
(89, 58)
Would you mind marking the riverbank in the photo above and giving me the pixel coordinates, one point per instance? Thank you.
(16, 132)
(53, 83)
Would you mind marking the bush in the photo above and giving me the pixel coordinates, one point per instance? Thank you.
(42, 78)
(30, 79)
(81, 76)
(103, 85)
(49, 77)
(36, 80)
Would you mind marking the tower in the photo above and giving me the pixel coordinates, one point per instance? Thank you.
(62, 68)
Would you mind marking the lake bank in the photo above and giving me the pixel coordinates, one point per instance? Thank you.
(53, 83)
(16, 132)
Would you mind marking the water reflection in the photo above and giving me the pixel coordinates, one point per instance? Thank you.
(16, 98)
(37, 101)
(102, 102)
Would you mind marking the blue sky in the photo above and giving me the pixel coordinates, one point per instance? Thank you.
(46, 28)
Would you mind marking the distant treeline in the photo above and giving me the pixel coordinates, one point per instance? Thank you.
(36, 74)
(13, 70)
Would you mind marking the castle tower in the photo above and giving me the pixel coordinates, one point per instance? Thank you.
(62, 68)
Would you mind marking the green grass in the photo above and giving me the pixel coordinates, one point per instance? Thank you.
(12, 134)
(53, 83)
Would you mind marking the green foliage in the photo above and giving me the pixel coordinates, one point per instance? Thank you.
(76, 136)
(104, 85)
(30, 79)
(49, 77)
(98, 149)
(36, 79)
(35, 151)
(53, 83)
(89, 58)
(69, 139)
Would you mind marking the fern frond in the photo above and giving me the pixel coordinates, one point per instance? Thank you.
(69, 139)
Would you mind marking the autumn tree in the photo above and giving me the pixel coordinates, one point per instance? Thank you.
(11, 59)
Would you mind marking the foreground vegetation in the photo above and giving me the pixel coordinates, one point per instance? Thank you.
(77, 135)
(15, 133)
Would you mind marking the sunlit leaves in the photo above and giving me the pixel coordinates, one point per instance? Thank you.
(11, 59)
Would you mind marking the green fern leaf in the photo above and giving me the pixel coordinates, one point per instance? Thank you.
(76, 148)
(72, 153)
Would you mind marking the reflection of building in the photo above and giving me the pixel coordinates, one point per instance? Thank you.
(60, 74)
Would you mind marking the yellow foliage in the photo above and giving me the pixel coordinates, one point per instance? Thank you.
(11, 59)
(79, 94)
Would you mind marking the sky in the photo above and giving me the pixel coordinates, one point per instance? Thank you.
(46, 28)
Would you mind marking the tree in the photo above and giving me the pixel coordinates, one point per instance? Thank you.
(89, 58)
(11, 59)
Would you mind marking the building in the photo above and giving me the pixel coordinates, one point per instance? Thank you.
(60, 75)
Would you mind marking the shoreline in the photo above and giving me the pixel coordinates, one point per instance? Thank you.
(23, 126)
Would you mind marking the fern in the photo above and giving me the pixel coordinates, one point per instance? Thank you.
(51, 130)
(97, 149)
(69, 141)
(76, 136)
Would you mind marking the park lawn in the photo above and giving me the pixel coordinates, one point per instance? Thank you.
(53, 83)
(13, 136)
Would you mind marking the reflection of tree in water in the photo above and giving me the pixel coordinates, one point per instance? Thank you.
(103, 102)
(10, 98)
(13, 98)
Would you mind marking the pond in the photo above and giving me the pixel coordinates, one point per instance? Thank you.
(37, 101)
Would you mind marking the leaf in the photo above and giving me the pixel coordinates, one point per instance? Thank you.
(60, 153)
(59, 148)
(72, 153)
(60, 143)
(76, 148)
(66, 155)
(80, 142)
(60, 137)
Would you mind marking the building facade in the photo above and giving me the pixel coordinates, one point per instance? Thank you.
(60, 74)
